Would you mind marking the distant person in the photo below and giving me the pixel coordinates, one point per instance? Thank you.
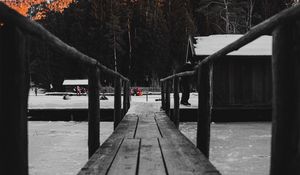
(51, 87)
(185, 83)
(103, 97)
(78, 90)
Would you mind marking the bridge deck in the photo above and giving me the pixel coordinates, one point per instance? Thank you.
(147, 142)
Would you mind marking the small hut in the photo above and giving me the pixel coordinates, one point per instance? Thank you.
(241, 81)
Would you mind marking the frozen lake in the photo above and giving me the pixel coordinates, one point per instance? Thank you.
(61, 147)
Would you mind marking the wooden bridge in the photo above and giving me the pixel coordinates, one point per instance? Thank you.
(146, 140)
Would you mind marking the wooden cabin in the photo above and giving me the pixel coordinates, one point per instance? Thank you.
(241, 82)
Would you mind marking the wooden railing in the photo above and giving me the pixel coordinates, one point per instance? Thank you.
(14, 88)
(285, 146)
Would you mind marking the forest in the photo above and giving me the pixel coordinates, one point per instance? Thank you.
(144, 40)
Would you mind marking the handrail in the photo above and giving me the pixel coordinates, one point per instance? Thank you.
(285, 137)
(9, 15)
(181, 74)
(15, 72)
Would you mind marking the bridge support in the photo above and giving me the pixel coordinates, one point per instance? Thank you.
(94, 111)
(285, 152)
(163, 100)
(117, 102)
(176, 102)
(167, 106)
(14, 79)
(204, 109)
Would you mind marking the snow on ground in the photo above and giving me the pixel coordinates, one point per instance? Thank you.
(237, 148)
(81, 102)
(60, 148)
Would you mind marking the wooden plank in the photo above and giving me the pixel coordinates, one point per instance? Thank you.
(100, 162)
(126, 160)
(180, 154)
(286, 101)
(151, 161)
(147, 127)
(14, 88)
(94, 110)
(127, 128)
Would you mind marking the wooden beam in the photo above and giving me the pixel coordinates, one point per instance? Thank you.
(125, 96)
(14, 88)
(163, 100)
(117, 103)
(129, 95)
(168, 111)
(286, 101)
(181, 74)
(94, 110)
(176, 102)
(204, 109)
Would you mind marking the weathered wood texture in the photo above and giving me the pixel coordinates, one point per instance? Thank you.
(94, 110)
(176, 102)
(286, 101)
(180, 154)
(151, 161)
(242, 82)
(117, 102)
(106, 153)
(204, 109)
(181, 74)
(126, 161)
(148, 143)
(14, 79)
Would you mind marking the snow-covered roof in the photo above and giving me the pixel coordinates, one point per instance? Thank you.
(75, 82)
(208, 45)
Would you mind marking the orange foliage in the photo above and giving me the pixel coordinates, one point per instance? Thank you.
(22, 6)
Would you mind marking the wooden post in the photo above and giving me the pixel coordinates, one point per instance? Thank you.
(14, 88)
(125, 96)
(94, 110)
(204, 107)
(129, 95)
(167, 98)
(176, 102)
(162, 85)
(286, 101)
(117, 103)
